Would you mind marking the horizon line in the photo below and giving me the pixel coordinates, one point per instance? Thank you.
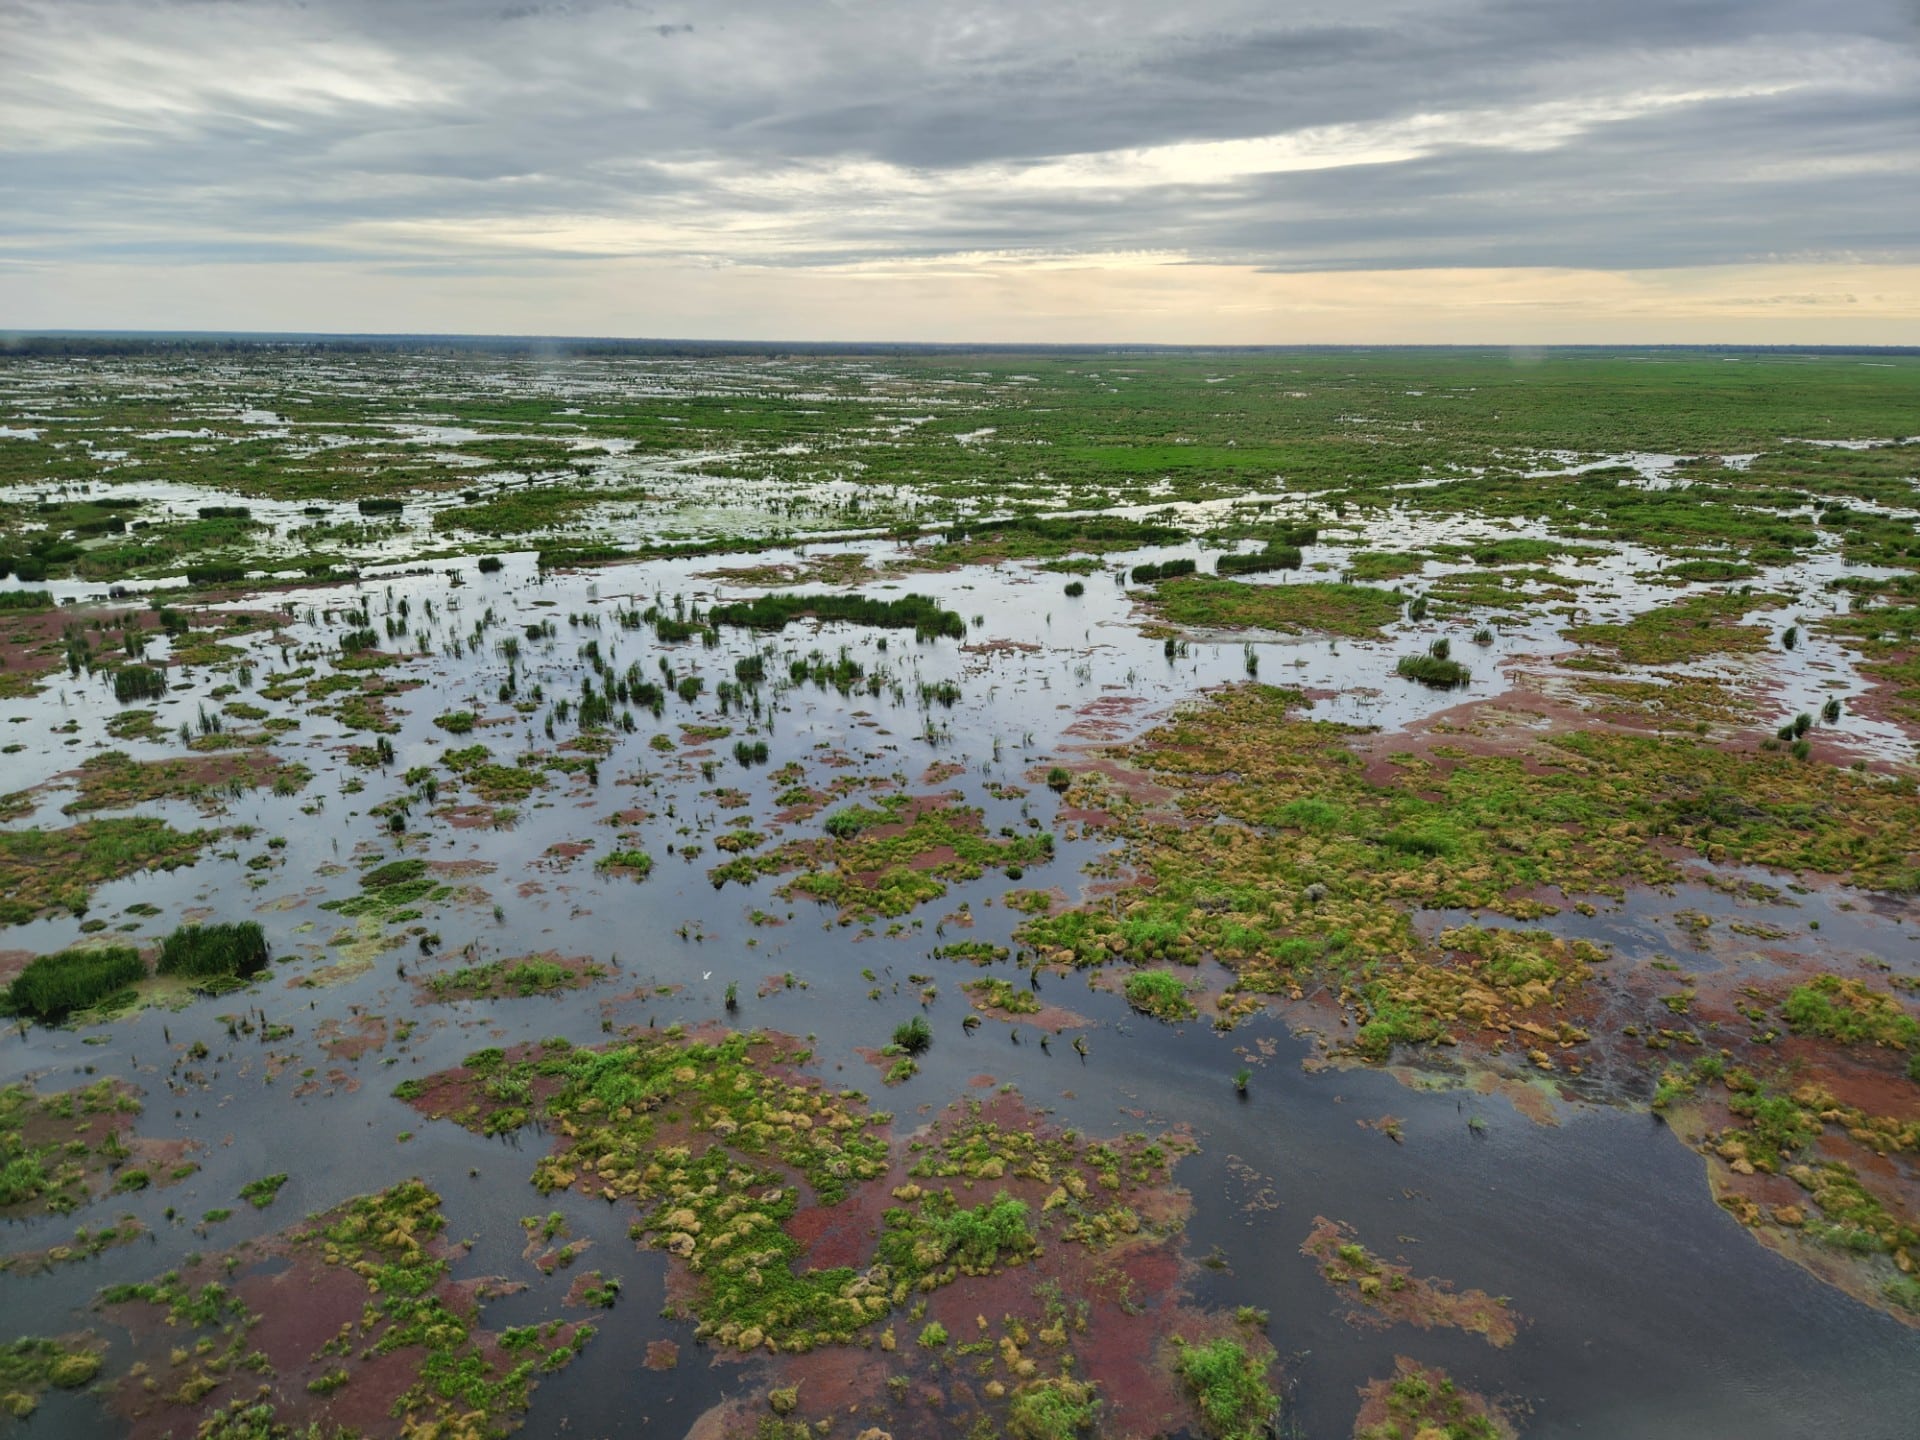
(16, 340)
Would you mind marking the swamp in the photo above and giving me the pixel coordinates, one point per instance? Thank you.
(1341, 893)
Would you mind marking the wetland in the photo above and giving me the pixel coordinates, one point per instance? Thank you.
(1324, 894)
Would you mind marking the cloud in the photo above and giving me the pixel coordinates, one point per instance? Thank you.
(1295, 137)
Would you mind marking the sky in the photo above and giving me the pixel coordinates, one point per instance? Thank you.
(1208, 171)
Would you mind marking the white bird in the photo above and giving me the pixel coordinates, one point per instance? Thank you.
(706, 974)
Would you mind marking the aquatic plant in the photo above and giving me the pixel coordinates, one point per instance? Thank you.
(230, 949)
(1435, 670)
(58, 868)
(993, 993)
(262, 1192)
(1850, 1012)
(635, 863)
(32, 1365)
(1276, 555)
(1165, 570)
(1229, 1386)
(1426, 1404)
(910, 612)
(138, 682)
(1353, 611)
(1159, 993)
(530, 975)
(1056, 1408)
(52, 986)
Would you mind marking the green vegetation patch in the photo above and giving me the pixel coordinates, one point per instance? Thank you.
(993, 993)
(263, 1192)
(138, 682)
(1056, 1408)
(1368, 566)
(31, 1366)
(229, 950)
(635, 863)
(42, 870)
(1419, 1403)
(1161, 994)
(940, 1239)
(1518, 550)
(1779, 1127)
(890, 857)
(1318, 868)
(504, 784)
(1026, 537)
(112, 780)
(456, 1377)
(1851, 1012)
(531, 508)
(1396, 1294)
(910, 612)
(703, 1138)
(54, 1147)
(1433, 670)
(389, 892)
(521, 978)
(135, 725)
(1203, 602)
(53, 986)
(719, 1143)
(1691, 629)
(1229, 1387)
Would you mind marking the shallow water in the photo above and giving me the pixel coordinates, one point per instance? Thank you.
(1648, 1311)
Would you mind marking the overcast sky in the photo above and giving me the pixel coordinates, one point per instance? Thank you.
(1472, 170)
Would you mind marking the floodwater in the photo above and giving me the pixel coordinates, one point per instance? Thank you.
(1646, 1310)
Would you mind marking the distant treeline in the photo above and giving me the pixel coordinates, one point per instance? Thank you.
(186, 344)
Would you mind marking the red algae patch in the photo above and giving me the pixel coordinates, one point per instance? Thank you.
(67, 1148)
(1332, 867)
(889, 857)
(112, 780)
(350, 1321)
(1417, 1402)
(1531, 1098)
(1109, 718)
(856, 1265)
(351, 1039)
(1097, 1307)
(1384, 1293)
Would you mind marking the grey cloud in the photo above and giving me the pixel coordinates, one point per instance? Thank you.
(656, 119)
